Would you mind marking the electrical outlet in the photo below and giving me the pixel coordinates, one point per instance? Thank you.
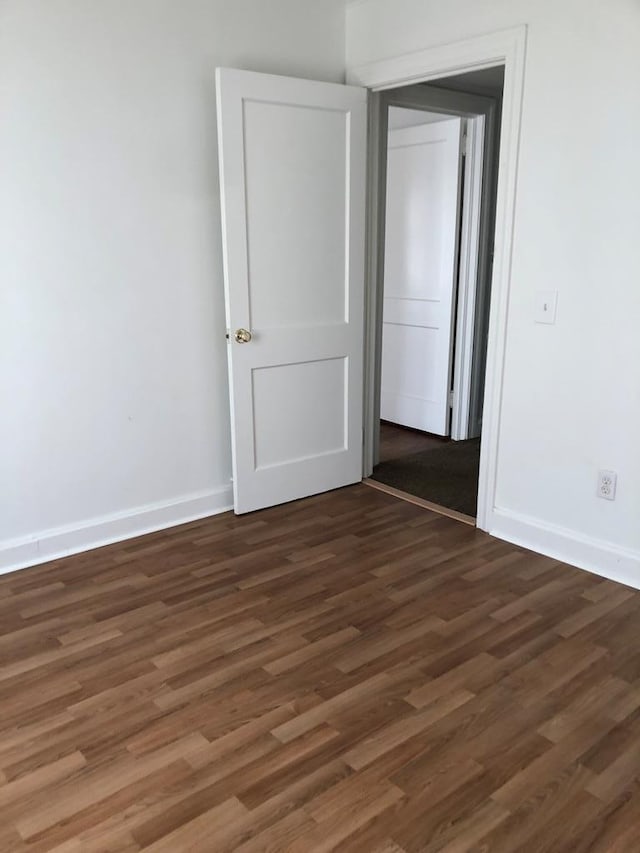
(607, 481)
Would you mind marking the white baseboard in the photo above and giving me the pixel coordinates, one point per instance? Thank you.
(594, 555)
(72, 539)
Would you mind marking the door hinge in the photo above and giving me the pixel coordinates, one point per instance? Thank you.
(464, 145)
(451, 399)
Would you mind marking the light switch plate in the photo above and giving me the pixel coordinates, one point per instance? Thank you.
(545, 308)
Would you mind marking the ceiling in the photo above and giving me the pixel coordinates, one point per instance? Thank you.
(489, 81)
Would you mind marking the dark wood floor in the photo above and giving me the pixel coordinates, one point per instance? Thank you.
(347, 673)
(397, 441)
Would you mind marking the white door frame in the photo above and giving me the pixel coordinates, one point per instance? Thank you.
(469, 265)
(504, 47)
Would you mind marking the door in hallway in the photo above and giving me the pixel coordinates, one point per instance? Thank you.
(420, 274)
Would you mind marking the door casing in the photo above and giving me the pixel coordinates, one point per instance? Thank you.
(504, 47)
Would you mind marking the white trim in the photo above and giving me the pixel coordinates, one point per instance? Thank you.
(502, 47)
(445, 60)
(378, 120)
(73, 539)
(467, 278)
(594, 555)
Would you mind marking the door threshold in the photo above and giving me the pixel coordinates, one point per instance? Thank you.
(412, 499)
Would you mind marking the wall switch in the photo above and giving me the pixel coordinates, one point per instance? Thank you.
(607, 481)
(545, 308)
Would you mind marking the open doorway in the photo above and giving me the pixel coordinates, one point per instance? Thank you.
(438, 168)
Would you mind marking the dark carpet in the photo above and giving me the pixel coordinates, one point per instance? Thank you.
(446, 475)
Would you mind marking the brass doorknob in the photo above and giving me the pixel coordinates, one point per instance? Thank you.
(242, 336)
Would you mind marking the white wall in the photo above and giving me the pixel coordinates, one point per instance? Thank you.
(572, 391)
(114, 414)
(113, 387)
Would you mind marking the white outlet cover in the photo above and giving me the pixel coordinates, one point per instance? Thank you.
(607, 482)
(545, 307)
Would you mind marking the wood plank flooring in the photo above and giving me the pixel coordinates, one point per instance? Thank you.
(350, 672)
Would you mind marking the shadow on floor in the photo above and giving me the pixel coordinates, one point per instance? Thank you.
(445, 473)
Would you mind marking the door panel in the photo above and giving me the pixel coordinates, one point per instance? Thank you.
(280, 188)
(292, 171)
(422, 215)
(319, 425)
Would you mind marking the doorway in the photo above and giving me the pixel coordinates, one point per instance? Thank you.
(438, 172)
(303, 354)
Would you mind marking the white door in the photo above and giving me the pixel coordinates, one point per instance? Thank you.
(420, 269)
(292, 173)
